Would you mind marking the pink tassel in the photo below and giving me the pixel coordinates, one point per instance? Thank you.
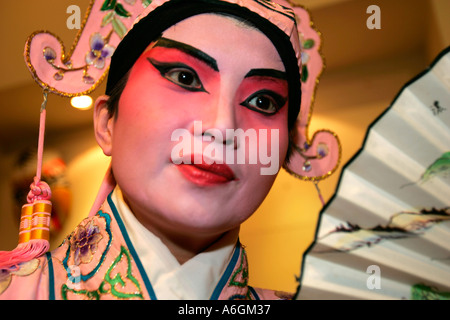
(22, 253)
(34, 233)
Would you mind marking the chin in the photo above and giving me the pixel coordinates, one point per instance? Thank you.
(205, 219)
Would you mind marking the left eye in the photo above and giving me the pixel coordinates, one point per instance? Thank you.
(265, 101)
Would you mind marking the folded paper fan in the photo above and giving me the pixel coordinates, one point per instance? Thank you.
(385, 234)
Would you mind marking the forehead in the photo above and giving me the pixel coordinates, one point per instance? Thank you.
(228, 40)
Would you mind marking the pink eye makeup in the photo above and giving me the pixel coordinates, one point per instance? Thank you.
(262, 90)
(264, 101)
(170, 63)
(268, 89)
(179, 74)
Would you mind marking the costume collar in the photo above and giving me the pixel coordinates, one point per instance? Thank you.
(223, 265)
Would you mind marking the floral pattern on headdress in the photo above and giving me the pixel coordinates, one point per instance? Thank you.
(82, 69)
(100, 51)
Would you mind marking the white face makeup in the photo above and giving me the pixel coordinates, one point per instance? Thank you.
(211, 70)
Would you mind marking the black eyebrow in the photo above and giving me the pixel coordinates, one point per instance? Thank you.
(267, 73)
(194, 52)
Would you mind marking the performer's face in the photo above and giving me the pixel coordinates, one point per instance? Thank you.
(205, 72)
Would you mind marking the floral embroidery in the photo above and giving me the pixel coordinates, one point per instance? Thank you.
(145, 3)
(49, 54)
(23, 269)
(112, 283)
(116, 280)
(116, 11)
(84, 243)
(240, 276)
(100, 51)
(306, 45)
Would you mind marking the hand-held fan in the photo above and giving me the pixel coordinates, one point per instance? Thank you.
(385, 234)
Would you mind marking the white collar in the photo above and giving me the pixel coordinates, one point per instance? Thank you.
(195, 279)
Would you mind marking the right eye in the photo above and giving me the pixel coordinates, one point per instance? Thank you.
(184, 77)
(266, 102)
(179, 74)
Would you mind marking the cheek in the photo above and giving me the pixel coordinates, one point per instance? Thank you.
(144, 100)
(151, 101)
(256, 188)
(271, 132)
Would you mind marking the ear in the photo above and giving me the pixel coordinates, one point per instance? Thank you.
(103, 125)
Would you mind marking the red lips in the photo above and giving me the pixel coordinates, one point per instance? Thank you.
(204, 174)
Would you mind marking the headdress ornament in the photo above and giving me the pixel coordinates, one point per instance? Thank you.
(113, 30)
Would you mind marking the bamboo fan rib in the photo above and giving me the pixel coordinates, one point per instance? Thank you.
(385, 234)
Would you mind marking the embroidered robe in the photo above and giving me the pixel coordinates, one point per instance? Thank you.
(98, 261)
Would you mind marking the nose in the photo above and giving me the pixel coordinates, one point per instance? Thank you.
(218, 136)
(220, 122)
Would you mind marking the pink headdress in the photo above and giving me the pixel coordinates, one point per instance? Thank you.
(112, 27)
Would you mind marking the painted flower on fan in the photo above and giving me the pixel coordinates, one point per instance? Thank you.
(100, 51)
(84, 243)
